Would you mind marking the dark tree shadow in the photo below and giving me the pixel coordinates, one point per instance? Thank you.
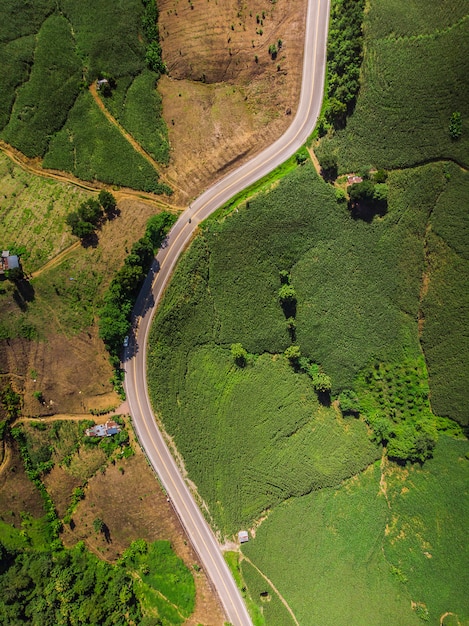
(366, 211)
(90, 241)
(324, 398)
(107, 533)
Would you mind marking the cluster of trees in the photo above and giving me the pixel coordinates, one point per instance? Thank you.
(151, 31)
(322, 383)
(65, 587)
(89, 215)
(114, 318)
(344, 57)
(368, 198)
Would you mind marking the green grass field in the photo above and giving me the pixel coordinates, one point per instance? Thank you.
(413, 79)
(32, 214)
(445, 306)
(364, 562)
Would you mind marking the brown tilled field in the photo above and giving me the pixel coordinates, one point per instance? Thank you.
(225, 97)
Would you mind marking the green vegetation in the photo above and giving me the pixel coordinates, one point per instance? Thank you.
(43, 102)
(73, 586)
(50, 53)
(412, 64)
(137, 106)
(163, 581)
(268, 603)
(445, 308)
(114, 317)
(394, 401)
(89, 214)
(344, 55)
(92, 148)
(291, 445)
(368, 555)
(32, 214)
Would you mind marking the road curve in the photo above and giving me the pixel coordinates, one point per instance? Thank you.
(180, 235)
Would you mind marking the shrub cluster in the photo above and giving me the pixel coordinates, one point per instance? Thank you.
(344, 56)
(89, 214)
(150, 28)
(114, 318)
(394, 401)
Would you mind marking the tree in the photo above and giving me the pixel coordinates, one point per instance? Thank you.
(107, 201)
(322, 383)
(239, 354)
(153, 58)
(349, 402)
(90, 211)
(329, 166)
(287, 293)
(455, 125)
(293, 354)
(98, 525)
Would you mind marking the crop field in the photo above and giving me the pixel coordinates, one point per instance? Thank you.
(291, 444)
(445, 304)
(138, 108)
(32, 214)
(358, 297)
(413, 79)
(90, 147)
(51, 53)
(42, 103)
(363, 561)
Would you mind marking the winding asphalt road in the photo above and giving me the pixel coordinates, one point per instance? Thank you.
(179, 237)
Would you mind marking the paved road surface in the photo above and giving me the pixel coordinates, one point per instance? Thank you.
(150, 437)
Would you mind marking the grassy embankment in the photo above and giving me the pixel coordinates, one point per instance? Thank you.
(367, 294)
(52, 53)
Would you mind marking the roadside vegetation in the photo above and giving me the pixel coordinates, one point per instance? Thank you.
(53, 53)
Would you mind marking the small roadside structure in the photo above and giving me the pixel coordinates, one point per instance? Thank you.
(8, 261)
(103, 430)
(243, 536)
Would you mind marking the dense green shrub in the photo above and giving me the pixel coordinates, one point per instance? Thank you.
(344, 55)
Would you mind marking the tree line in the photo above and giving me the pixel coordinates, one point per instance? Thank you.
(114, 317)
(344, 57)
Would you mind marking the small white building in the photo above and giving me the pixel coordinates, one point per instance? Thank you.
(8, 261)
(243, 536)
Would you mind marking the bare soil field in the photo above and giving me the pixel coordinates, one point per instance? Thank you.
(17, 492)
(225, 97)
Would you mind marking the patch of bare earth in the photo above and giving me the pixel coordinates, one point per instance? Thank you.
(17, 492)
(225, 97)
(129, 500)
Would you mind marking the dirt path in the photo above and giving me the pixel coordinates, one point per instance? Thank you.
(135, 145)
(33, 166)
(56, 260)
(270, 583)
(445, 615)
